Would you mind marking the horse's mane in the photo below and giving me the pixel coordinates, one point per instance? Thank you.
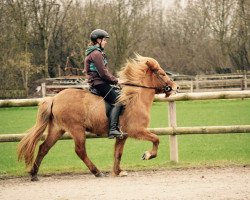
(133, 72)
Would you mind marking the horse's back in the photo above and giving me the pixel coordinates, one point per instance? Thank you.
(78, 107)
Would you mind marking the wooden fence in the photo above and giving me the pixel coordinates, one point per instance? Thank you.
(172, 130)
(173, 142)
(199, 83)
(202, 83)
(55, 85)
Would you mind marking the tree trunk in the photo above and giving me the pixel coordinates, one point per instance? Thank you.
(46, 59)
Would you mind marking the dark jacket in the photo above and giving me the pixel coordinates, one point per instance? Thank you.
(96, 67)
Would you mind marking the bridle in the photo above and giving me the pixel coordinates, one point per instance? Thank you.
(165, 88)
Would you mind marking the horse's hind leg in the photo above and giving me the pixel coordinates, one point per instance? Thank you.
(79, 137)
(119, 145)
(53, 135)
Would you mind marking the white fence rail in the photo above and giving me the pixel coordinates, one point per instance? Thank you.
(172, 130)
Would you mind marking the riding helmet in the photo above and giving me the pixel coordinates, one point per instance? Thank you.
(98, 34)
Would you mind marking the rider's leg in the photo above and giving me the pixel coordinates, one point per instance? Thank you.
(114, 121)
(111, 95)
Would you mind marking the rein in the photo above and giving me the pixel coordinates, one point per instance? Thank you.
(165, 88)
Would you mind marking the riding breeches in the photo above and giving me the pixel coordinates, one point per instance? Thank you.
(109, 93)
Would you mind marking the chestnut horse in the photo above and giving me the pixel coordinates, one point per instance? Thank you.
(76, 111)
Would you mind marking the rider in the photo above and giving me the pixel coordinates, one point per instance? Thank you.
(101, 79)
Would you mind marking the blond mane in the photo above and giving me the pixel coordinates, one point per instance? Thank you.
(133, 72)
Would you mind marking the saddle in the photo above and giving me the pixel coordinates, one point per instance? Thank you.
(94, 91)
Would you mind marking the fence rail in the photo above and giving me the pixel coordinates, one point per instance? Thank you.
(159, 131)
(213, 85)
(199, 83)
(172, 130)
(214, 82)
(206, 96)
(185, 86)
(19, 102)
(176, 97)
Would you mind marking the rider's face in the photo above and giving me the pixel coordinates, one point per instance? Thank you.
(102, 42)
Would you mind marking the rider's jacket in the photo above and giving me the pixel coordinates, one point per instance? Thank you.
(96, 67)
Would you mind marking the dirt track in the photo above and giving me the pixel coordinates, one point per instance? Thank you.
(217, 183)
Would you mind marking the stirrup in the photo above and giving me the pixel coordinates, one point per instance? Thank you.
(121, 135)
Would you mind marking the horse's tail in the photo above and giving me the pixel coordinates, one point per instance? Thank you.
(27, 145)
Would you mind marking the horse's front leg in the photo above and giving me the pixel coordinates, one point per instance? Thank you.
(118, 150)
(146, 135)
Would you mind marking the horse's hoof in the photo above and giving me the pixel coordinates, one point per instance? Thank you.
(123, 174)
(146, 156)
(34, 178)
(100, 175)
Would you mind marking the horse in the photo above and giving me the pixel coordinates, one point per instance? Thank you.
(77, 110)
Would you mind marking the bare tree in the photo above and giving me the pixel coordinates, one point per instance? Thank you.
(239, 48)
(23, 64)
(128, 25)
(194, 38)
(14, 39)
(48, 18)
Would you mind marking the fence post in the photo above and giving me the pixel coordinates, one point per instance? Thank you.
(173, 143)
(59, 70)
(191, 86)
(245, 81)
(197, 87)
(43, 85)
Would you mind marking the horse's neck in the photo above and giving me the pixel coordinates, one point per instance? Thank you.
(146, 98)
(137, 115)
(142, 98)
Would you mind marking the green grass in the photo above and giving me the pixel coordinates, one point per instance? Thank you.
(17, 119)
(194, 150)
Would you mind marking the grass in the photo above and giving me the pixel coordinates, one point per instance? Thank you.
(17, 119)
(194, 150)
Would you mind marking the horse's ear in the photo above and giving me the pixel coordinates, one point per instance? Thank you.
(151, 65)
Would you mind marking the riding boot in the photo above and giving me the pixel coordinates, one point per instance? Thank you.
(113, 122)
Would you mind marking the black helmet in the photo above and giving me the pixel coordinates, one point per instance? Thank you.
(98, 34)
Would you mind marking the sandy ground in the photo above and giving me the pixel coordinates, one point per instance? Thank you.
(216, 183)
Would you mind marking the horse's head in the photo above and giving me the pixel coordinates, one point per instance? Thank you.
(159, 78)
(146, 72)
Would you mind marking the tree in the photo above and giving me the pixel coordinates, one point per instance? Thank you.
(48, 19)
(129, 19)
(23, 63)
(239, 48)
(192, 38)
